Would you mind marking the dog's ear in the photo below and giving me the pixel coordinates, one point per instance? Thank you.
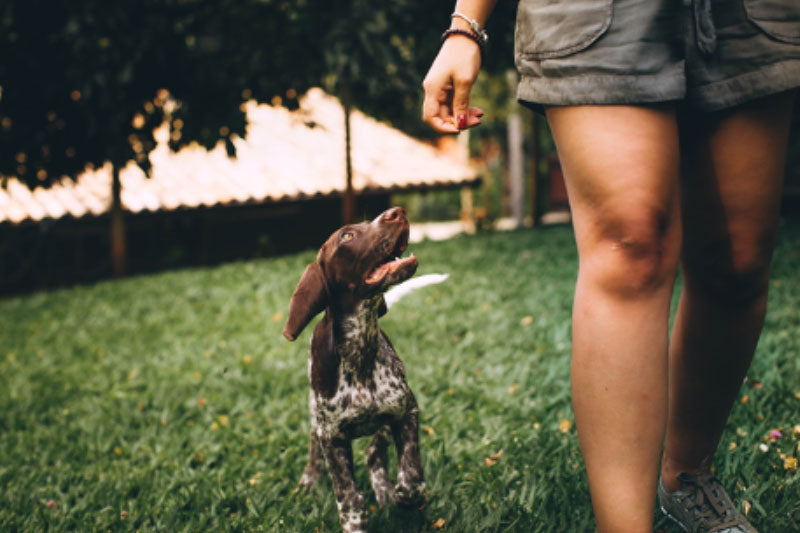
(382, 308)
(308, 300)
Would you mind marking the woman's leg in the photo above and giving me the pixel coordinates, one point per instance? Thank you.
(621, 166)
(734, 167)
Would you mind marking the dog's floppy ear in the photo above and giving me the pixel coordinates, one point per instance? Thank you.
(308, 300)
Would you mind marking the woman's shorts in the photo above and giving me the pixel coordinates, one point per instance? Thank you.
(713, 54)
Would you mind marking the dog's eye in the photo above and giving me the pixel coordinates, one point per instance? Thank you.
(346, 236)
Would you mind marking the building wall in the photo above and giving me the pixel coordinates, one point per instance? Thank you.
(65, 252)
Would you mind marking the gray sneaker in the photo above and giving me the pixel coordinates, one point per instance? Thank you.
(702, 506)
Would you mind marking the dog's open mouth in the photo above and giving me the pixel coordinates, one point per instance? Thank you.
(392, 262)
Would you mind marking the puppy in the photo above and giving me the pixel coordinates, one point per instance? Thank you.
(358, 384)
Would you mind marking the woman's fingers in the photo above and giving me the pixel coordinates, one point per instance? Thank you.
(461, 89)
(474, 116)
(437, 108)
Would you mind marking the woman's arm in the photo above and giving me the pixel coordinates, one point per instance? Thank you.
(449, 80)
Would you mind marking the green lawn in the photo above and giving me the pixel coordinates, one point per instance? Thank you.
(171, 402)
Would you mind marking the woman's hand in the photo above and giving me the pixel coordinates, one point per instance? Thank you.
(447, 86)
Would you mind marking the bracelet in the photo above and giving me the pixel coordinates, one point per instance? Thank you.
(474, 26)
(465, 33)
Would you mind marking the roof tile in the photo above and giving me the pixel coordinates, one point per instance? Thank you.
(285, 155)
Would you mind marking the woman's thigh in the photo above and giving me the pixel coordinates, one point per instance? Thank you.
(734, 165)
(621, 166)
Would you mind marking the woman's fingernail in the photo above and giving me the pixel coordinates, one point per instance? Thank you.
(462, 121)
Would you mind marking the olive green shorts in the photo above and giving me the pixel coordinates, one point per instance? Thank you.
(713, 54)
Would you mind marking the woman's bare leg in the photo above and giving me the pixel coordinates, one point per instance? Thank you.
(734, 167)
(621, 168)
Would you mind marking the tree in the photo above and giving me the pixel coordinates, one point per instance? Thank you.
(87, 81)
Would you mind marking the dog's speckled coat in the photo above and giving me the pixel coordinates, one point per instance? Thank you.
(358, 383)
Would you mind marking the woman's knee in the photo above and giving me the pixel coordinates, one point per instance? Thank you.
(729, 270)
(633, 252)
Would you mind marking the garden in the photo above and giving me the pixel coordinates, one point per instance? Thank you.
(171, 401)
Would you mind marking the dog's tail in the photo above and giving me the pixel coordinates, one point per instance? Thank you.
(394, 294)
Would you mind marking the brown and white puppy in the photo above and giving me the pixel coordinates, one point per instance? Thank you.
(358, 384)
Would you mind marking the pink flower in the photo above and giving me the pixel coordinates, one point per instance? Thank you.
(51, 504)
(775, 434)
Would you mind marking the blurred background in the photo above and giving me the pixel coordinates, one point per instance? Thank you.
(145, 135)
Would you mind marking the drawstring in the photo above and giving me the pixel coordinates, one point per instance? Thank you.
(704, 31)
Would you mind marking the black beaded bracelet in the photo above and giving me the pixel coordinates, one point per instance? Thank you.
(474, 36)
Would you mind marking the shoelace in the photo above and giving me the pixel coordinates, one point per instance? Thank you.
(705, 501)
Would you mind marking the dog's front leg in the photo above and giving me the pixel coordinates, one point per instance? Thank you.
(315, 465)
(377, 465)
(410, 485)
(338, 454)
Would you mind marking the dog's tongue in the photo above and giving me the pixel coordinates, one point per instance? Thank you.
(382, 270)
(378, 274)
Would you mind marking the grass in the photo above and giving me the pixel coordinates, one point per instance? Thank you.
(171, 402)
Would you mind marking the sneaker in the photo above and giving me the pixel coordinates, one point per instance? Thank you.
(701, 505)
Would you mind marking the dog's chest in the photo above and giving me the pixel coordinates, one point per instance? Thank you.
(363, 403)
(357, 333)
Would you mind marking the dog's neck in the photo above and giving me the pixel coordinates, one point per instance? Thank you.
(355, 336)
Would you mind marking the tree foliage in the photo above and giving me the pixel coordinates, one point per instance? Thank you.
(87, 81)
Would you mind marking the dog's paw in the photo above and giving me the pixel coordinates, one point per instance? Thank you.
(353, 521)
(410, 495)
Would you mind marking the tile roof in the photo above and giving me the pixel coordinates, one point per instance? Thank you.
(285, 155)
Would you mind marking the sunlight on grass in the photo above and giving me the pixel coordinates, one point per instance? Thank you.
(172, 402)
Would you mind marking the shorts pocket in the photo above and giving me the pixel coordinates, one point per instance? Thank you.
(556, 28)
(780, 19)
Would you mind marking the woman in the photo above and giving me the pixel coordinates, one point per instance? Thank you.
(671, 122)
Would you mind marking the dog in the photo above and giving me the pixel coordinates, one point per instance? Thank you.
(358, 383)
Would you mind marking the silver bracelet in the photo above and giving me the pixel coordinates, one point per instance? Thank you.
(474, 26)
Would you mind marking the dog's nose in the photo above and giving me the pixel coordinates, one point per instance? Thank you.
(395, 213)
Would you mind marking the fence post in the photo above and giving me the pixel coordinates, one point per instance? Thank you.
(118, 246)
(516, 162)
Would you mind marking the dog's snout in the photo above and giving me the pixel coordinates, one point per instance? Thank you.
(394, 214)
(391, 215)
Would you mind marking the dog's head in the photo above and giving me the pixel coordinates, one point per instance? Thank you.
(357, 262)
